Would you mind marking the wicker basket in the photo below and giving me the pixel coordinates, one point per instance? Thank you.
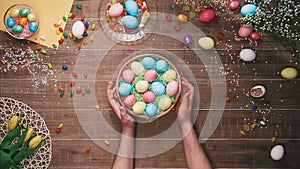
(143, 117)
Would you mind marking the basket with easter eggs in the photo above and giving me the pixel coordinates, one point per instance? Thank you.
(21, 21)
(148, 86)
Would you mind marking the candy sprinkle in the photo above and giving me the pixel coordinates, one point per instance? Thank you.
(97, 107)
(88, 149)
(106, 142)
(79, 6)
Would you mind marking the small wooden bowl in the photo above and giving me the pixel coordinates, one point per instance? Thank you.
(143, 117)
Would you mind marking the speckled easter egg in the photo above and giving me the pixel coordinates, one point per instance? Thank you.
(248, 9)
(164, 102)
(161, 66)
(207, 15)
(151, 110)
(172, 88)
(149, 96)
(245, 30)
(33, 26)
(128, 75)
(150, 75)
(169, 75)
(141, 86)
(125, 89)
(137, 68)
(115, 10)
(131, 7)
(148, 62)
(158, 88)
(289, 73)
(129, 100)
(130, 21)
(139, 107)
(10, 22)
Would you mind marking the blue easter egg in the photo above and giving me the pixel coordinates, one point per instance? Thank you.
(151, 109)
(124, 89)
(130, 21)
(131, 7)
(148, 62)
(158, 88)
(10, 22)
(33, 26)
(161, 66)
(248, 9)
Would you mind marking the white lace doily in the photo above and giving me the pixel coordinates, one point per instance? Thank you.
(9, 107)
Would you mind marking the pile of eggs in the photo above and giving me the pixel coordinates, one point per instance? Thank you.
(127, 16)
(148, 85)
(21, 21)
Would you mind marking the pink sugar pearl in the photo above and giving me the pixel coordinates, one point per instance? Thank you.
(128, 75)
(150, 75)
(149, 96)
(129, 100)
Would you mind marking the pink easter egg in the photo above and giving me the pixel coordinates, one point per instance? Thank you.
(115, 10)
(172, 88)
(245, 31)
(234, 5)
(128, 75)
(150, 75)
(207, 15)
(149, 96)
(129, 100)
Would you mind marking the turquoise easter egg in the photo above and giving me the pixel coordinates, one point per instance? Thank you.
(10, 22)
(148, 62)
(33, 26)
(158, 88)
(124, 89)
(24, 11)
(131, 7)
(248, 9)
(130, 21)
(161, 66)
(17, 29)
(151, 109)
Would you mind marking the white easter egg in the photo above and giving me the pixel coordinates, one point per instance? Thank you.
(78, 29)
(206, 43)
(277, 152)
(247, 55)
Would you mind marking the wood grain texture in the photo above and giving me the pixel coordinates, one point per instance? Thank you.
(226, 148)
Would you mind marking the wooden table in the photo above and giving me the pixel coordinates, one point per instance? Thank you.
(226, 147)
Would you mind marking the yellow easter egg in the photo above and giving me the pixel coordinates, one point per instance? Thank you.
(14, 12)
(139, 107)
(31, 17)
(164, 103)
(206, 42)
(289, 73)
(169, 75)
(141, 86)
(137, 68)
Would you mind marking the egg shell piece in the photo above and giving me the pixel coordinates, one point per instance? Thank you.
(245, 30)
(207, 15)
(125, 89)
(78, 29)
(148, 62)
(169, 75)
(10, 22)
(248, 9)
(115, 10)
(172, 88)
(33, 26)
(158, 88)
(164, 102)
(161, 66)
(150, 75)
(277, 152)
(247, 55)
(137, 68)
(151, 110)
(128, 75)
(206, 43)
(139, 107)
(289, 73)
(131, 7)
(141, 86)
(129, 100)
(149, 96)
(130, 21)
